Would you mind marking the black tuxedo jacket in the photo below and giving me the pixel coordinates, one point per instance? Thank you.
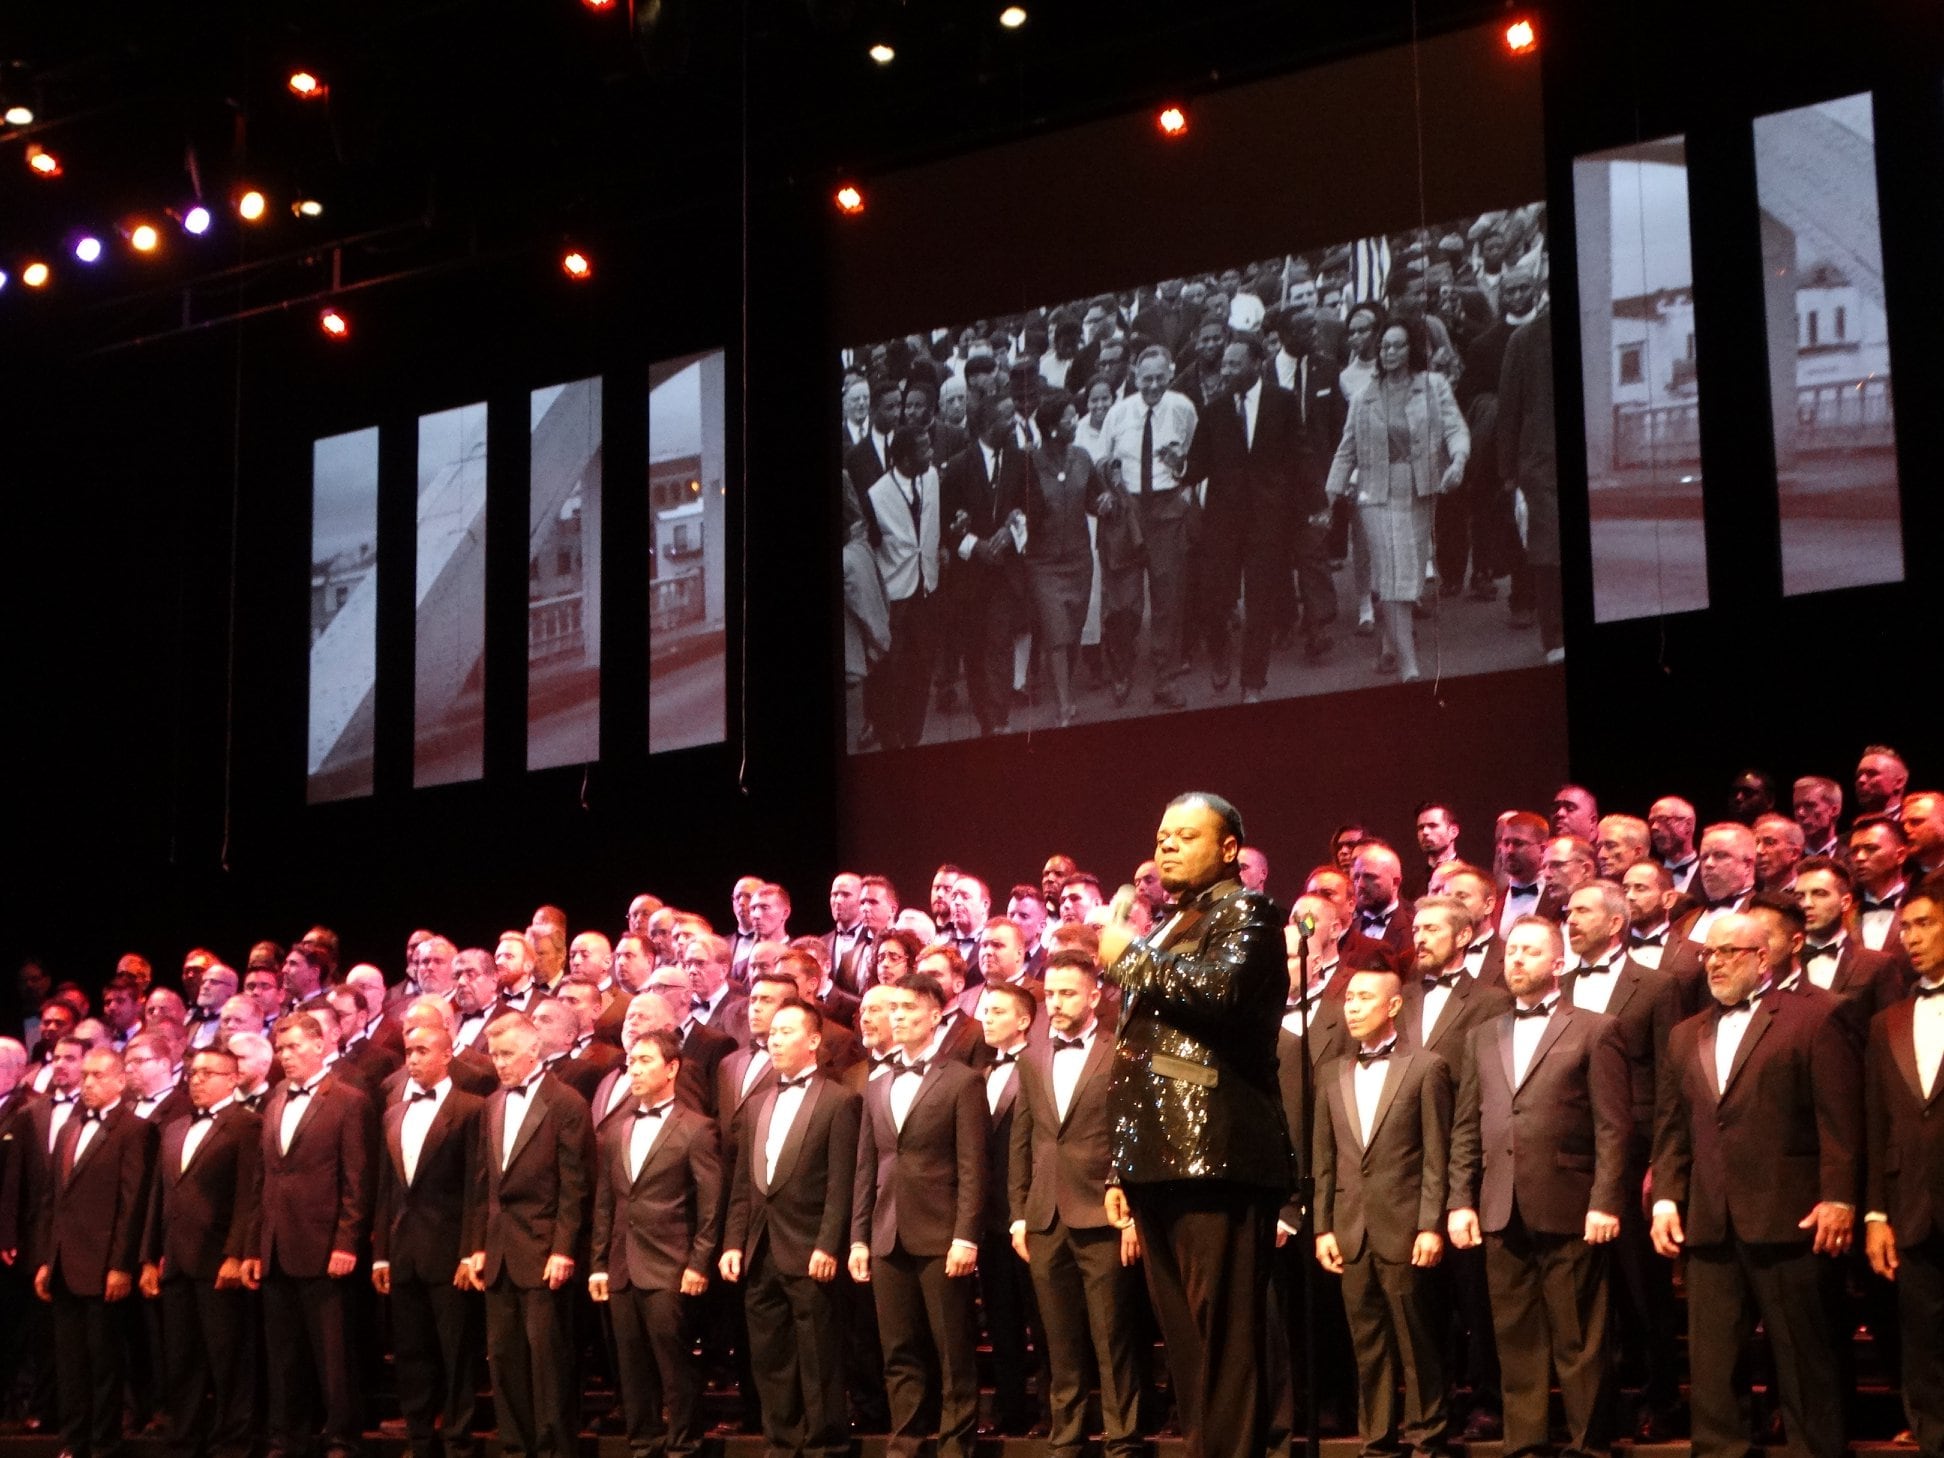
(368, 1064)
(536, 1206)
(864, 465)
(964, 1042)
(316, 1198)
(1867, 983)
(1057, 1168)
(1646, 1004)
(806, 1207)
(1397, 931)
(1491, 967)
(852, 970)
(1906, 1129)
(1785, 1134)
(1253, 480)
(923, 1186)
(963, 485)
(206, 1214)
(1385, 1192)
(92, 1208)
(1553, 1144)
(173, 1105)
(1471, 1003)
(20, 1160)
(999, 1128)
(731, 1018)
(420, 1226)
(579, 1074)
(651, 1227)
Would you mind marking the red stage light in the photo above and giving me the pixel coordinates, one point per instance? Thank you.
(598, 4)
(1172, 121)
(334, 324)
(45, 163)
(305, 85)
(576, 265)
(1521, 37)
(850, 199)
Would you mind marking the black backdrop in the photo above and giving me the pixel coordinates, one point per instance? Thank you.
(154, 785)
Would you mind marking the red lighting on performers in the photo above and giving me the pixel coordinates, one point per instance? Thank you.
(850, 199)
(1172, 122)
(1521, 37)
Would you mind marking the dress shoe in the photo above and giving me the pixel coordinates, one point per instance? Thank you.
(1317, 649)
(1169, 697)
(1484, 1427)
(1251, 696)
(1386, 661)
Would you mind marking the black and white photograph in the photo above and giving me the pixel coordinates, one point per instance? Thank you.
(564, 575)
(343, 614)
(449, 734)
(1270, 480)
(688, 585)
(1829, 346)
(1641, 386)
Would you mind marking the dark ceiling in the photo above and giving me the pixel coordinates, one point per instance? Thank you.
(459, 131)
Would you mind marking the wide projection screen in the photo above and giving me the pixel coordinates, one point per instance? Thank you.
(688, 492)
(1400, 152)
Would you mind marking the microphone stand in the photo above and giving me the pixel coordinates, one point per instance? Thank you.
(1306, 1197)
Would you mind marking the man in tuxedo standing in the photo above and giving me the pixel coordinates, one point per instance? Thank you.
(789, 1215)
(202, 1209)
(316, 1215)
(1903, 1227)
(1382, 1140)
(1383, 914)
(1007, 1013)
(1538, 1171)
(429, 1179)
(1202, 1160)
(916, 1213)
(1758, 1137)
(92, 1207)
(1082, 1266)
(537, 1148)
(657, 1223)
(1832, 959)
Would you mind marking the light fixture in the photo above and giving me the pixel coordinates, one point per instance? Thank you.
(196, 220)
(251, 206)
(577, 265)
(307, 207)
(334, 324)
(598, 4)
(3, 279)
(883, 54)
(20, 116)
(1013, 16)
(1520, 37)
(43, 161)
(1172, 121)
(87, 248)
(305, 85)
(850, 199)
(143, 238)
(36, 274)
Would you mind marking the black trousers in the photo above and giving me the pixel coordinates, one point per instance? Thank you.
(209, 1369)
(530, 1346)
(1643, 1301)
(1244, 555)
(1920, 1308)
(87, 1372)
(796, 1351)
(863, 1355)
(898, 692)
(1087, 1301)
(308, 1345)
(654, 1343)
(931, 1341)
(1549, 1311)
(1396, 1335)
(436, 1346)
(1207, 1245)
(1013, 1333)
(1471, 1348)
(1728, 1286)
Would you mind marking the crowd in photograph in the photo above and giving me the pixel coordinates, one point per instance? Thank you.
(868, 1169)
(1047, 510)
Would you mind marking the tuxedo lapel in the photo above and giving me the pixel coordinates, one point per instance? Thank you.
(395, 1139)
(787, 1156)
(1347, 1090)
(925, 1086)
(1758, 1024)
(1900, 1030)
(534, 1115)
(1098, 1058)
(1502, 1036)
(1395, 1068)
(1555, 1030)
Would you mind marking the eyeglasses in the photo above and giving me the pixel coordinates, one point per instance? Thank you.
(1725, 954)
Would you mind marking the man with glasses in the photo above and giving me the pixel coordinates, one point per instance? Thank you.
(1756, 1172)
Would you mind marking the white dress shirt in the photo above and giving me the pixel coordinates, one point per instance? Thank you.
(1000, 1072)
(91, 1121)
(759, 1063)
(1367, 1082)
(649, 1122)
(904, 1088)
(1251, 403)
(1527, 1030)
(1435, 997)
(1820, 961)
(1517, 903)
(1475, 955)
(1710, 915)
(1729, 1028)
(1648, 953)
(1682, 872)
(519, 1105)
(1292, 1020)
(417, 1121)
(296, 1102)
(1126, 422)
(1873, 922)
(200, 1123)
(1069, 1064)
(63, 1107)
(1927, 1027)
(783, 1114)
(1593, 986)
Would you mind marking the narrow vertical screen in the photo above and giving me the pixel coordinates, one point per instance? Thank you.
(687, 494)
(564, 575)
(343, 614)
(1828, 346)
(1637, 358)
(448, 741)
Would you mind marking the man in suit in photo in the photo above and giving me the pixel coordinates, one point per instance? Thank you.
(916, 1214)
(1757, 1149)
(869, 457)
(1645, 1005)
(1903, 1227)
(315, 1217)
(981, 489)
(789, 1218)
(1056, 1174)
(537, 1149)
(429, 1179)
(1202, 1160)
(201, 1215)
(657, 1224)
(1538, 1172)
(91, 1211)
(1381, 1148)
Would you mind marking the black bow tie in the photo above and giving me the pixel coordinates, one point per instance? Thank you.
(1588, 968)
(1373, 918)
(200, 1114)
(1866, 906)
(1060, 1045)
(759, 1045)
(521, 1090)
(424, 1093)
(1371, 1055)
(1646, 939)
(1004, 1059)
(1747, 1004)
(300, 1093)
(878, 1060)
(1920, 990)
(200, 1015)
(1537, 1010)
(917, 1065)
(654, 1113)
(802, 1080)
(1447, 980)
(1829, 949)
(698, 1003)
(1513, 888)
(92, 1116)
(60, 1099)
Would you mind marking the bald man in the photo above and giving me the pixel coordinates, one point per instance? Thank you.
(1383, 914)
